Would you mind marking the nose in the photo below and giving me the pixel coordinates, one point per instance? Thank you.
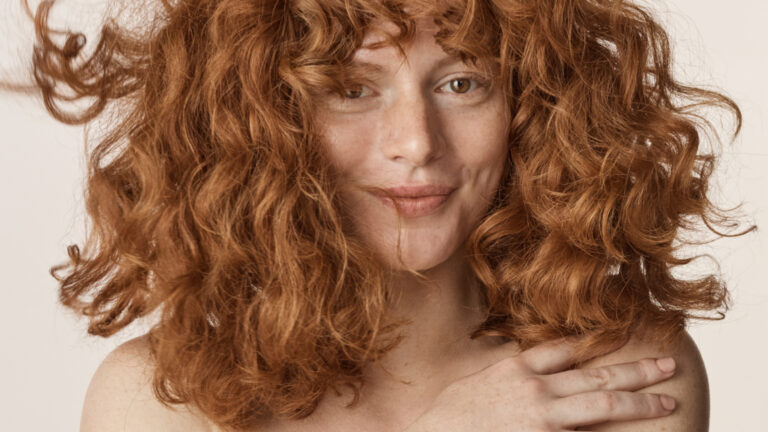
(414, 131)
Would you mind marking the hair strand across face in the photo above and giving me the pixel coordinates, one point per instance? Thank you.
(209, 199)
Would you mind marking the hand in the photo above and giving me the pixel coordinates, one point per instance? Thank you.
(534, 392)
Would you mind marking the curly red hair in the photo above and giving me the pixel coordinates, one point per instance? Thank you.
(211, 203)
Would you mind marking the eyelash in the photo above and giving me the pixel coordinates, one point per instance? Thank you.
(480, 83)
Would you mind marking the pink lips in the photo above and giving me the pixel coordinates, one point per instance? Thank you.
(415, 201)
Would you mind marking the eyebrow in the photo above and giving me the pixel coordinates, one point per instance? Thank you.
(377, 69)
(367, 68)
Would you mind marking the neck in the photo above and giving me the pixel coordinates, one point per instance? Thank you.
(443, 312)
(436, 350)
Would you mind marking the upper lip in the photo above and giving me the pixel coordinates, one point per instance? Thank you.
(420, 190)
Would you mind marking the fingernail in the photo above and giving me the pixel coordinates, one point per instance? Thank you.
(666, 364)
(667, 402)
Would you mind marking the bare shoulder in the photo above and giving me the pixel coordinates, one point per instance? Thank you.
(688, 386)
(120, 396)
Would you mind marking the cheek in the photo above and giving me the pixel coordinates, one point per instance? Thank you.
(482, 147)
(344, 145)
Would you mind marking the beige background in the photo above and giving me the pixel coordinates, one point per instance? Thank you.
(47, 358)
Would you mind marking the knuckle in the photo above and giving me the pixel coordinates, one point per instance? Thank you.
(607, 400)
(645, 404)
(647, 368)
(534, 385)
(601, 377)
(653, 404)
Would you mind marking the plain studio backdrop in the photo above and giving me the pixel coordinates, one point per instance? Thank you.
(48, 359)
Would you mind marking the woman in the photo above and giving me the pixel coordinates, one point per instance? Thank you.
(411, 225)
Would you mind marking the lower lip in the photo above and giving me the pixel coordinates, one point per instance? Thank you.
(415, 207)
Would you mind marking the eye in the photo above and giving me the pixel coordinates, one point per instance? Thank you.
(462, 85)
(353, 92)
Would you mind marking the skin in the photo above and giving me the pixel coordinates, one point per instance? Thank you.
(417, 123)
(689, 386)
(120, 397)
(411, 125)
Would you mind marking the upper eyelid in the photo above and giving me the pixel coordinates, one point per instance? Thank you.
(479, 80)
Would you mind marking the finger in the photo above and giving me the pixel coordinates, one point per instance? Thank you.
(591, 408)
(550, 357)
(629, 376)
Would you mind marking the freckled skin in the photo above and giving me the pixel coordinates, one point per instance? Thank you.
(416, 123)
(413, 124)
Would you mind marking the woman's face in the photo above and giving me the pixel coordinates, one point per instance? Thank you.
(426, 121)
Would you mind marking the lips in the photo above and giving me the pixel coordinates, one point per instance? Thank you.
(415, 201)
(420, 191)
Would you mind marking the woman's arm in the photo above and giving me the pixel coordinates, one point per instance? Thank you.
(688, 387)
(120, 397)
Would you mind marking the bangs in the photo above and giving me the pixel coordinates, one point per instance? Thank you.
(211, 183)
(329, 34)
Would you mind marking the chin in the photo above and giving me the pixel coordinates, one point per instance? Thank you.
(424, 257)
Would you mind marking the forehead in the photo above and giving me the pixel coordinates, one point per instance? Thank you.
(379, 28)
(376, 61)
(374, 54)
